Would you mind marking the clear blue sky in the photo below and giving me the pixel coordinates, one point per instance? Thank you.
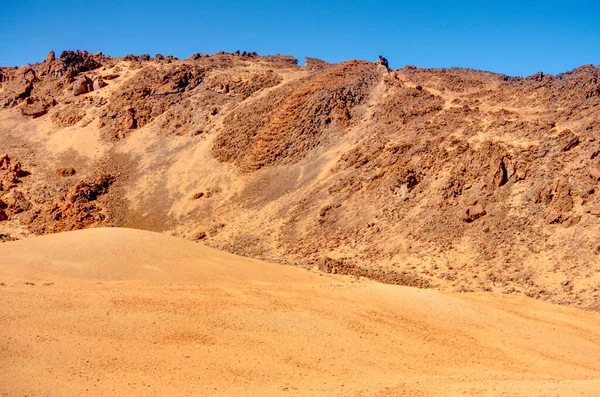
(512, 37)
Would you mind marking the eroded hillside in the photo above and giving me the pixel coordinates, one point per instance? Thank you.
(441, 178)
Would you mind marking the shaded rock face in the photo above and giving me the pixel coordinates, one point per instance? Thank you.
(383, 62)
(445, 178)
(77, 209)
(77, 62)
(12, 201)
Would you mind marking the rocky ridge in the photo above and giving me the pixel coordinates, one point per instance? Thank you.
(441, 178)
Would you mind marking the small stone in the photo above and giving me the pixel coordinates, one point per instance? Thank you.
(200, 236)
(65, 172)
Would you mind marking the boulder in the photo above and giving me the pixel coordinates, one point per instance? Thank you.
(98, 83)
(474, 212)
(21, 84)
(568, 140)
(111, 76)
(78, 62)
(128, 120)
(197, 56)
(11, 170)
(34, 109)
(83, 85)
(65, 172)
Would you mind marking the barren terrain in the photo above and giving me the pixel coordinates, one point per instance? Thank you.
(440, 227)
(452, 179)
(123, 312)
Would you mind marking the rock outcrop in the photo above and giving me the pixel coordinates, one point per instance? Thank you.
(381, 61)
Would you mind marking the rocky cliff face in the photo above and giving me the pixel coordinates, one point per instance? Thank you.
(445, 178)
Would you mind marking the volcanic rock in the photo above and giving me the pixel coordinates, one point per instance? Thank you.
(383, 62)
(98, 83)
(315, 64)
(83, 85)
(474, 212)
(65, 172)
(450, 178)
(51, 57)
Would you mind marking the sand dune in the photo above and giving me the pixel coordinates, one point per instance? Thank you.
(126, 312)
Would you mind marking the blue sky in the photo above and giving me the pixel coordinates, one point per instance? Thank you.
(512, 37)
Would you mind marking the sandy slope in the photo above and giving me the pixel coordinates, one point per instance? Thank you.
(138, 313)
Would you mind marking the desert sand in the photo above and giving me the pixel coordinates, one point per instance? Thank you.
(122, 312)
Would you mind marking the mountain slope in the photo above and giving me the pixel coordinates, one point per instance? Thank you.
(446, 178)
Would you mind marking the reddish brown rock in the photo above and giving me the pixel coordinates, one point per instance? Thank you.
(98, 83)
(10, 170)
(474, 212)
(558, 200)
(74, 210)
(51, 57)
(65, 172)
(474, 171)
(315, 64)
(568, 139)
(35, 108)
(80, 61)
(83, 85)
(110, 76)
(285, 124)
